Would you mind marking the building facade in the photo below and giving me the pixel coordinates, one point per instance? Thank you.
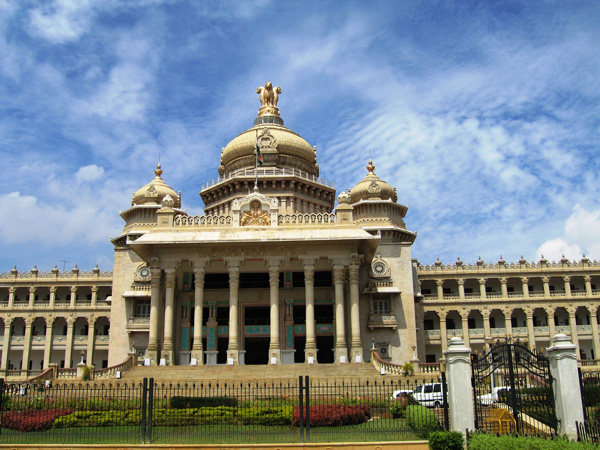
(278, 272)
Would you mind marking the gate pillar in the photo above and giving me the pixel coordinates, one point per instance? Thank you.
(460, 391)
(567, 394)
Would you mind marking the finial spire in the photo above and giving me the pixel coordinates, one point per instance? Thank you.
(269, 96)
(370, 166)
(158, 172)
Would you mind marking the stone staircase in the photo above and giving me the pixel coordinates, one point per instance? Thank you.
(324, 373)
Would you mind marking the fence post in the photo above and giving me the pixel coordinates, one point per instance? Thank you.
(1, 400)
(144, 406)
(460, 390)
(300, 409)
(307, 390)
(563, 364)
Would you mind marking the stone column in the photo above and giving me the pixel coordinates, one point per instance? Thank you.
(94, 296)
(461, 287)
(90, 341)
(48, 342)
(504, 287)
(588, 286)
(482, 292)
(341, 351)
(234, 284)
(309, 287)
(551, 327)
(443, 330)
(525, 287)
(508, 321)
(73, 296)
(167, 350)
(69, 342)
(27, 343)
(52, 296)
(573, 326)
(32, 296)
(594, 322)
(197, 350)
(530, 331)
(155, 312)
(6, 342)
(487, 332)
(464, 315)
(440, 289)
(11, 297)
(274, 344)
(546, 281)
(563, 364)
(567, 281)
(460, 391)
(356, 346)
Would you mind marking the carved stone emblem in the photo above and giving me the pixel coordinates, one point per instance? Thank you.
(255, 216)
(269, 96)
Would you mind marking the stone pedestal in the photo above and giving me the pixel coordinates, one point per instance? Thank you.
(211, 357)
(460, 392)
(567, 394)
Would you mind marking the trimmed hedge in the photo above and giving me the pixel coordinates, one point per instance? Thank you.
(486, 442)
(334, 415)
(422, 420)
(180, 402)
(32, 419)
(446, 440)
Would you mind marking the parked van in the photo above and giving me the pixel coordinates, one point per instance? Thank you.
(430, 395)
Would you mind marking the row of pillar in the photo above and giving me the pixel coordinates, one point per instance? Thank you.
(47, 343)
(51, 297)
(341, 348)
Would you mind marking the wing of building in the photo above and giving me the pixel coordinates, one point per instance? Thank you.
(275, 273)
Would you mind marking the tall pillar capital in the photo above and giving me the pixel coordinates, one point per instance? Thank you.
(439, 282)
(460, 281)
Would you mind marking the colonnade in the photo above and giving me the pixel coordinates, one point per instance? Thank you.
(155, 352)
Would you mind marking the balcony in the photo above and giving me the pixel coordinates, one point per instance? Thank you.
(382, 321)
(138, 323)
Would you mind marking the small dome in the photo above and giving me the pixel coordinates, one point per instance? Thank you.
(372, 188)
(155, 191)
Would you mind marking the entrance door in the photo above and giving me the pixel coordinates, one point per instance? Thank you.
(325, 350)
(256, 334)
(257, 350)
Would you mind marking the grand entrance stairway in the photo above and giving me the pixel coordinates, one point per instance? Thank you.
(325, 373)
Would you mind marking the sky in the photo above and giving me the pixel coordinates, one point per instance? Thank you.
(483, 115)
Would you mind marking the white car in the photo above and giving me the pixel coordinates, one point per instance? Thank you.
(430, 395)
(492, 397)
(397, 394)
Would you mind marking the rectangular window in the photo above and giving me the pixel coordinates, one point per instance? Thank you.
(142, 308)
(381, 306)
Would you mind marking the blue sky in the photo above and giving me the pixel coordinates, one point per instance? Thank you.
(483, 115)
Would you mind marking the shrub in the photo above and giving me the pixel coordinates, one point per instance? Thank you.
(266, 416)
(591, 395)
(334, 415)
(479, 441)
(446, 440)
(32, 419)
(422, 420)
(179, 402)
(398, 408)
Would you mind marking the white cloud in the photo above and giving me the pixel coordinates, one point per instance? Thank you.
(89, 174)
(62, 20)
(581, 235)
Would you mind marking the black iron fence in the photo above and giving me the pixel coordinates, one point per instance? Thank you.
(589, 383)
(301, 410)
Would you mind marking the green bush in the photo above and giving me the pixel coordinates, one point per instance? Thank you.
(446, 440)
(591, 395)
(421, 420)
(480, 441)
(179, 402)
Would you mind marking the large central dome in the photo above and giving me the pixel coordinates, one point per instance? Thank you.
(279, 146)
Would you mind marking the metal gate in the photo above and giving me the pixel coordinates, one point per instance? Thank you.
(512, 389)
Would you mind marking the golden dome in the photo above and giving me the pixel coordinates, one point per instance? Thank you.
(372, 188)
(279, 147)
(154, 192)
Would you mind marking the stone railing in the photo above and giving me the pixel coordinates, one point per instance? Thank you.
(584, 328)
(476, 332)
(102, 338)
(111, 372)
(460, 266)
(388, 367)
(563, 329)
(431, 368)
(433, 333)
(93, 274)
(306, 219)
(454, 333)
(66, 373)
(203, 221)
(266, 172)
(541, 330)
(519, 330)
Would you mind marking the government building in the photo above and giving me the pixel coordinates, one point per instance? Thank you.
(281, 270)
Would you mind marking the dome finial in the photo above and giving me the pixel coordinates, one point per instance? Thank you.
(370, 166)
(158, 172)
(269, 96)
